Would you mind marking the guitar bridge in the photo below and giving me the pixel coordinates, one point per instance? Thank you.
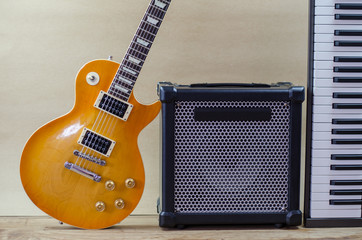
(96, 142)
(81, 171)
(113, 106)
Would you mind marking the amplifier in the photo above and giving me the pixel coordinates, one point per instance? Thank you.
(230, 154)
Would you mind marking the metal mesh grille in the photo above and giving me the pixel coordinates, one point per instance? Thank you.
(231, 166)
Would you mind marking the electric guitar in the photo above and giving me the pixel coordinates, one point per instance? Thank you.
(84, 168)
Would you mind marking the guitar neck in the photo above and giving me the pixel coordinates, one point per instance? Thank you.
(137, 52)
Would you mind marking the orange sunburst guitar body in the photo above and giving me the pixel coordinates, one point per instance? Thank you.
(84, 168)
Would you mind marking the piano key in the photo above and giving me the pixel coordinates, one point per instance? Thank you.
(338, 82)
(342, 118)
(317, 196)
(349, 33)
(347, 131)
(330, 74)
(343, 15)
(330, 65)
(325, 136)
(340, 213)
(345, 167)
(348, 95)
(346, 202)
(330, 38)
(329, 56)
(347, 69)
(347, 106)
(327, 162)
(326, 153)
(328, 92)
(331, 29)
(326, 171)
(326, 187)
(346, 192)
(331, 3)
(327, 144)
(344, 157)
(338, 180)
(349, 6)
(331, 47)
(327, 126)
(329, 100)
(325, 204)
(332, 20)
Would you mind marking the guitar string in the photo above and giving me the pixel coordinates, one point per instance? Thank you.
(119, 95)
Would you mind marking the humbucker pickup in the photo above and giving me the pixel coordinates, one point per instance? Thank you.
(113, 106)
(96, 142)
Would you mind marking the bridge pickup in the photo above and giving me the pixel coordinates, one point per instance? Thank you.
(113, 106)
(96, 142)
(84, 172)
(89, 158)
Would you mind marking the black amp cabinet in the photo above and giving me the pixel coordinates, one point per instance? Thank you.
(230, 154)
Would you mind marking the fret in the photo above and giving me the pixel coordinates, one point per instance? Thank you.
(149, 35)
(131, 65)
(156, 12)
(139, 47)
(147, 26)
(137, 52)
(134, 59)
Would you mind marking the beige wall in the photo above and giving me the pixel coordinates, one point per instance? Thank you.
(43, 43)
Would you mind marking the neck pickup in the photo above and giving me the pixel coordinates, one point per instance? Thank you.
(113, 106)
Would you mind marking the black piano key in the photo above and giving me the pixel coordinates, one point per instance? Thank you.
(347, 105)
(346, 192)
(347, 69)
(345, 182)
(347, 33)
(348, 6)
(348, 43)
(346, 167)
(347, 59)
(346, 157)
(347, 95)
(347, 131)
(347, 121)
(346, 202)
(347, 80)
(346, 141)
(348, 16)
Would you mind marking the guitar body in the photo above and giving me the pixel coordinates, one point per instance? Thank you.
(69, 196)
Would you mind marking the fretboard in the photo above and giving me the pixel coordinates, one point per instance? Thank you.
(137, 52)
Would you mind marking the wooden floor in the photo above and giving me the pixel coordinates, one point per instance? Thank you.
(146, 227)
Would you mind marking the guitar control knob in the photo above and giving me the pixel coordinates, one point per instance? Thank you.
(130, 183)
(100, 206)
(110, 185)
(119, 203)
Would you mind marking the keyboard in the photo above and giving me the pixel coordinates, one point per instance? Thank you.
(333, 193)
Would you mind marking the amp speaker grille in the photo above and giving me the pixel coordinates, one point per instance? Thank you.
(231, 166)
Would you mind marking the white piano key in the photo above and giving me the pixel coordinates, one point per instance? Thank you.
(324, 205)
(329, 100)
(320, 180)
(329, 56)
(322, 171)
(330, 64)
(331, 3)
(322, 136)
(317, 196)
(329, 47)
(330, 20)
(330, 74)
(327, 117)
(328, 126)
(326, 187)
(328, 82)
(329, 29)
(330, 38)
(327, 162)
(330, 11)
(329, 92)
(326, 144)
(340, 213)
(326, 153)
